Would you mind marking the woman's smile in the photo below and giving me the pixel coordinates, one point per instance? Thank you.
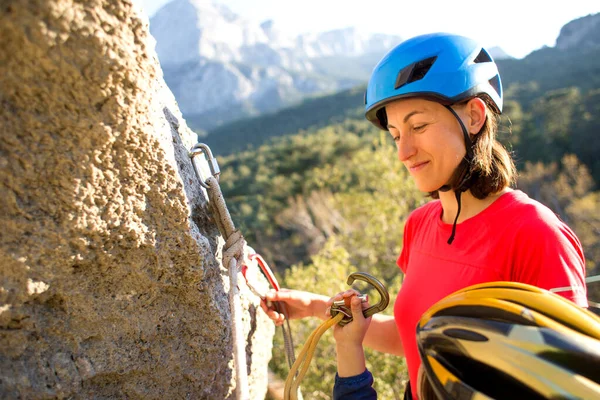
(416, 167)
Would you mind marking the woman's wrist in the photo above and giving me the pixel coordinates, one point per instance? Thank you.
(319, 307)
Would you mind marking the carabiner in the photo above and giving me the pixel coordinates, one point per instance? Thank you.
(340, 306)
(266, 271)
(213, 166)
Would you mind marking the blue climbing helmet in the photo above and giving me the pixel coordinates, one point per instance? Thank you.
(443, 67)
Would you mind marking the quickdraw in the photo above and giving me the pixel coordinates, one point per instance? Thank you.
(233, 254)
(264, 267)
(288, 342)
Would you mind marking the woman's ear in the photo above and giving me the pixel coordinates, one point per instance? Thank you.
(476, 114)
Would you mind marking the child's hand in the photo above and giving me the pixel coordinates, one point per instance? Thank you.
(349, 338)
(353, 333)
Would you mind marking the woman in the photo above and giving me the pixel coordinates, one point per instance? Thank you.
(439, 96)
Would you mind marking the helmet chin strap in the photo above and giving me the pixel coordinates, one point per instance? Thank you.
(463, 184)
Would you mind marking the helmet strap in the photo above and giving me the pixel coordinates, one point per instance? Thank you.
(465, 164)
(451, 238)
(468, 142)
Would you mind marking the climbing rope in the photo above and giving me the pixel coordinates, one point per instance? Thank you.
(232, 255)
(295, 377)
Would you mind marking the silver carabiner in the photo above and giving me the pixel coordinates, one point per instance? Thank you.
(213, 166)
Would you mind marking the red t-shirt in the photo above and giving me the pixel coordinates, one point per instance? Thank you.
(515, 239)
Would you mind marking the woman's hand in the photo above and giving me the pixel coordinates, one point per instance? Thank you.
(298, 304)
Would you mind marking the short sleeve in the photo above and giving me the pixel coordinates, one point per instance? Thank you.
(550, 256)
(406, 239)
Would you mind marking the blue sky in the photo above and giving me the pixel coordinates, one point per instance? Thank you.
(518, 26)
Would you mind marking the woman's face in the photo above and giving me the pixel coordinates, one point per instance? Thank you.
(429, 140)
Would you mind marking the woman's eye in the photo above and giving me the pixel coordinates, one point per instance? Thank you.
(419, 127)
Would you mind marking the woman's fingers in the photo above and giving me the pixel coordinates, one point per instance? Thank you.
(366, 304)
(264, 306)
(271, 313)
(275, 316)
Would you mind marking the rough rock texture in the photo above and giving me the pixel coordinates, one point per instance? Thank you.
(111, 284)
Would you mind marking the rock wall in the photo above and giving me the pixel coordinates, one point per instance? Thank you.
(111, 284)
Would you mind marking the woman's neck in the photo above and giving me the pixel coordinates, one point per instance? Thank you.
(470, 205)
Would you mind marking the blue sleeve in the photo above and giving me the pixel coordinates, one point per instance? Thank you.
(358, 387)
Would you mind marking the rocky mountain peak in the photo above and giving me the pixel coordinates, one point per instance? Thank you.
(582, 32)
(190, 30)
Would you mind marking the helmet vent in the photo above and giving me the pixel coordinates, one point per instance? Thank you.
(495, 83)
(414, 72)
(465, 334)
(482, 57)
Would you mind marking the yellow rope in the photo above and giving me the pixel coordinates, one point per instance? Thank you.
(293, 382)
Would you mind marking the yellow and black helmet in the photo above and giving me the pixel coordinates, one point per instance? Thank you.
(509, 340)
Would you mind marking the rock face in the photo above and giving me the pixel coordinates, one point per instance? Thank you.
(111, 284)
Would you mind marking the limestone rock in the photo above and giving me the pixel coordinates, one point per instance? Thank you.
(111, 284)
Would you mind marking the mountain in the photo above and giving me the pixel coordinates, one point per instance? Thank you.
(573, 62)
(222, 67)
(309, 115)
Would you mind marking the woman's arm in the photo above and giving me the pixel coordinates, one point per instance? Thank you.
(299, 304)
(383, 335)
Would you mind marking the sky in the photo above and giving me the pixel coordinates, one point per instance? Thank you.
(517, 26)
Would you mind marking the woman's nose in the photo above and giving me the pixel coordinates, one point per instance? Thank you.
(406, 148)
